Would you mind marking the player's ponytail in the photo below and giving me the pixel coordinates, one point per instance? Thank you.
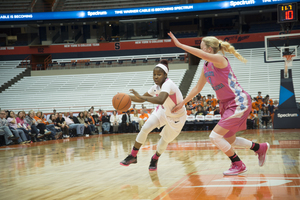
(223, 46)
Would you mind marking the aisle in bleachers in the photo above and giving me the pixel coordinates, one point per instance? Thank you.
(77, 90)
(256, 75)
(9, 70)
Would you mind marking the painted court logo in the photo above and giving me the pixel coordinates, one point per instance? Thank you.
(241, 3)
(287, 115)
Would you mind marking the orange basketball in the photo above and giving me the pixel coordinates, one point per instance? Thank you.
(121, 102)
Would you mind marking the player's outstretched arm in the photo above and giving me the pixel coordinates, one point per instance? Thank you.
(200, 84)
(217, 59)
(136, 99)
(160, 99)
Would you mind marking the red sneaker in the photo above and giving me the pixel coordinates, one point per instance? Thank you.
(236, 169)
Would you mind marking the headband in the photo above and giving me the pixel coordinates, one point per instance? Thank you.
(163, 67)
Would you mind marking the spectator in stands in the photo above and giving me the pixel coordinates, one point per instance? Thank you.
(255, 104)
(91, 123)
(143, 118)
(217, 110)
(209, 106)
(87, 128)
(31, 124)
(75, 120)
(71, 125)
(12, 123)
(275, 105)
(54, 112)
(126, 122)
(145, 109)
(271, 109)
(200, 111)
(100, 114)
(214, 101)
(60, 121)
(114, 121)
(132, 109)
(209, 99)
(250, 121)
(52, 120)
(4, 130)
(85, 116)
(105, 122)
(188, 110)
(265, 116)
(259, 99)
(199, 97)
(40, 125)
(135, 120)
(21, 125)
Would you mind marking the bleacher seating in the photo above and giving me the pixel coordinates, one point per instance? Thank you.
(186, 34)
(50, 92)
(222, 32)
(15, 6)
(259, 28)
(9, 70)
(256, 75)
(107, 4)
(116, 60)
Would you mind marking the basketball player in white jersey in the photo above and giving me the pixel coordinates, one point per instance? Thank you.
(167, 95)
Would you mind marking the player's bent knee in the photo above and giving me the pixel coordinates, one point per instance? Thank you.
(219, 141)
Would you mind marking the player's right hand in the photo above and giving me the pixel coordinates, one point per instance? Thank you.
(177, 107)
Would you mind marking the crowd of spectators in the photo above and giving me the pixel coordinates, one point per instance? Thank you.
(35, 126)
(203, 113)
(261, 115)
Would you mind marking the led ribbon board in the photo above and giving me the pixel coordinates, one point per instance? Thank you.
(219, 5)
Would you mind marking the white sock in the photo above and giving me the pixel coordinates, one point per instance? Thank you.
(242, 142)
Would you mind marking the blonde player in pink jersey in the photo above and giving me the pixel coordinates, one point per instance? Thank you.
(165, 93)
(235, 103)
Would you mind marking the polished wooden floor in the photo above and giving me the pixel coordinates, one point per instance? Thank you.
(191, 168)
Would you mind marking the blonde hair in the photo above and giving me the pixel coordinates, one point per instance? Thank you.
(223, 46)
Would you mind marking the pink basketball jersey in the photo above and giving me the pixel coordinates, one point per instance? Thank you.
(225, 84)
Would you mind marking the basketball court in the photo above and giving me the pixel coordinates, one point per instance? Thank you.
(191, 168)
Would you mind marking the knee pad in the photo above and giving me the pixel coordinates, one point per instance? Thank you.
(219, 141)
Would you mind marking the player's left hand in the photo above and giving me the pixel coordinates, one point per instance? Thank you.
(175, 40)
(136, 94)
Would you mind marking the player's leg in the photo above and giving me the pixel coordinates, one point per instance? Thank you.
(217, 138)
(259, 148)
(150, 124)
(161, 147)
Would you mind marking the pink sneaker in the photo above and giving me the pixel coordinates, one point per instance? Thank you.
(236, 169)
(262, 152)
